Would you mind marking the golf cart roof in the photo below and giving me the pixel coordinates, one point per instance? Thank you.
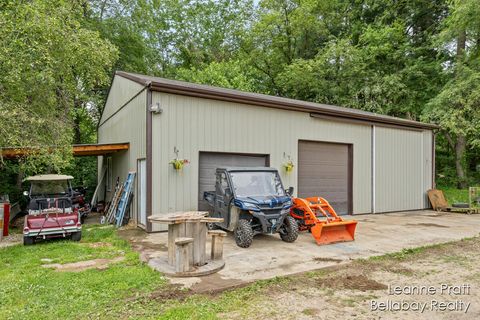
(246, 169)
(49, 177)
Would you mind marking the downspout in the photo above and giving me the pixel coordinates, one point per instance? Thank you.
(373, 142)
(149, 151)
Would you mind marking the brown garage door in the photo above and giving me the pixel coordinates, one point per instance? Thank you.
(324, 169)
(210, 161)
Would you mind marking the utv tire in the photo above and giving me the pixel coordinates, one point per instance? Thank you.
(77, 236)
(28, 241)
(243, 233)
(289, 232)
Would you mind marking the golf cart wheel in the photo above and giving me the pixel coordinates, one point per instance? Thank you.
(77, 236)
(28, 241)
(289, 232)
(243, 233)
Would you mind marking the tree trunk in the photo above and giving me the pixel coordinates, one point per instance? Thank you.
(77, 104)
(460, 147)
(19, 181)
(461, 42)
(76, 128)
(461, 142)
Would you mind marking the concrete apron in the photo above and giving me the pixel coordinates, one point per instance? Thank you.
(270, 257)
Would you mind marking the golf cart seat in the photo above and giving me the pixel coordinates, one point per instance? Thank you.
(41, 204)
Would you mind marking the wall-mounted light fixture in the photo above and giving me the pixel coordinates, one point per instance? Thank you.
(155, 108)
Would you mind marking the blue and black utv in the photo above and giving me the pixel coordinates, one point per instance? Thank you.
(252, 201)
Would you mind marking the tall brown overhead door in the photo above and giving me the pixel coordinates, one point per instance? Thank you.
(324, 169)
(210, 161)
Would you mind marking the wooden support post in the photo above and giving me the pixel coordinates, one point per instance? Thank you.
(199, 243)
(217, 244)
(175, 231)
(182, 254)
(190, 233)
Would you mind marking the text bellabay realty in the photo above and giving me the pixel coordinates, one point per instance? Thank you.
(422, 306)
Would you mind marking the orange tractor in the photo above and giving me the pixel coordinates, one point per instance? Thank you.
(317, 216)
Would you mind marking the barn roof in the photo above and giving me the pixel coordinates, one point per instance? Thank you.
(315, 109)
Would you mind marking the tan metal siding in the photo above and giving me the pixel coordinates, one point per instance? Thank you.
(399, 170)
(121, 91)
(128, 125)
(427, 165)
(194, 124)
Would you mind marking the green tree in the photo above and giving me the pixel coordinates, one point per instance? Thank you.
(227, 74)
(192, 33)
(121, 23)
(456, 107)
(51, 68)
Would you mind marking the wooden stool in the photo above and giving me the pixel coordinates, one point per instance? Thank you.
(182, 254)
(217, 244)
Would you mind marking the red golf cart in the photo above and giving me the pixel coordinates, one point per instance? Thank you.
(51, 213)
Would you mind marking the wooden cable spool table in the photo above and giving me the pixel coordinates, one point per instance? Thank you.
(191, 224)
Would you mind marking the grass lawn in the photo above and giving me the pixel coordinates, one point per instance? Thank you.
(454, 195)
(126, 289)
(30, 291)
(131, 290)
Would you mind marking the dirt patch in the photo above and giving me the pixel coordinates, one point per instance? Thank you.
(381, 265)
(93, 218)
(345, 291)
(435, 215)
(11, 240)
(352, 282)
(98, 244)
(214, 284)
(323, 259)
(147, 249)
(427, 225)
(396, 268)
(310, 311)
(170, 294)
(128, 234)
(100, 264)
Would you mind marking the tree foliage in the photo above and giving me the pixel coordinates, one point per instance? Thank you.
(50, 67)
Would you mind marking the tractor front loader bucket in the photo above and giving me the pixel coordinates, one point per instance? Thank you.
(317, 215)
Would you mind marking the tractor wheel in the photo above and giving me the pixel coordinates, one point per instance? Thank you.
(289, 232)
(243, 233)
(77, 236)
(28, 241)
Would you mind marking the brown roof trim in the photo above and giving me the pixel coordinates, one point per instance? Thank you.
(78, 150)
(364, 122)
(230, 95)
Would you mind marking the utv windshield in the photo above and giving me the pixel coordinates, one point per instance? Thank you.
(59, 187)
(257, 183)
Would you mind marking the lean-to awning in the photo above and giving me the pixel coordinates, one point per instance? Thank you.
(78, 150)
